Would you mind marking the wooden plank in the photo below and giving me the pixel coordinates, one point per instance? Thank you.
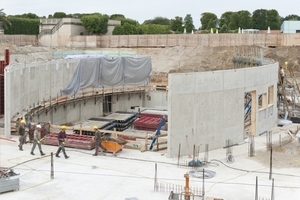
(292, 136)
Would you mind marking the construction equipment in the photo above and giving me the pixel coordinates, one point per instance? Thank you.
(162, 122)
(9, 180)
(195, 163)
(186, 194)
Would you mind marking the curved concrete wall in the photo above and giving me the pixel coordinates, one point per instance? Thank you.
(208, 107)
(30, 85)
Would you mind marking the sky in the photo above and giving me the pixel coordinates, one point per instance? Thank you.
(142, 10)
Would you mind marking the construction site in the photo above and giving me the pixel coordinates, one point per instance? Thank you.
(180, 122)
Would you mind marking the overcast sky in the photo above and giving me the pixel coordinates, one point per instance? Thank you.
(142, 10)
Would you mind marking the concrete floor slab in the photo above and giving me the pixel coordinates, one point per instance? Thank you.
(130, 175)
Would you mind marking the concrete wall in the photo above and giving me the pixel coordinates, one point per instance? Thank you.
(154, 41)
(27, 85)
(208, 107)
(34, 85)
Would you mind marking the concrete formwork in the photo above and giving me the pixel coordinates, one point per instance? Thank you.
(35, 85)
(208, 107)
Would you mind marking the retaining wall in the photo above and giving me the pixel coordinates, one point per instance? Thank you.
(208, 107)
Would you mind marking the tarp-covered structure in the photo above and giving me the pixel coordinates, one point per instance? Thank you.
(110, 72)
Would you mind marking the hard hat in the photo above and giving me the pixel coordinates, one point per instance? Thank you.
(38, 126)
(95, 127)
(23, 121)
(63, 127)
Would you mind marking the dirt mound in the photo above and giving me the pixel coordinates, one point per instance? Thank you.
(167, 60)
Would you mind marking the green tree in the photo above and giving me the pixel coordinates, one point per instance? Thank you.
(245, 20)
(177, 24)
(117, 17)
(3, 20)
(225, 19)
(118, 30)
(188, 23)
(95, 23)
(211, 24)
(292, 17)
(129, 21)
(259, 19)
(224, 29)
(234, 21)
(158, 20)
(127, 27)
(59, 15)
(273, 19)
(23, 26)
(155, 29)
(206, 17)
(28, 15)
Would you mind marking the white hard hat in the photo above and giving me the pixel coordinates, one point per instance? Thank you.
(38, 126)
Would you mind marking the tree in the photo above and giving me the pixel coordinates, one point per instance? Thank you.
(273, 19)
(259, 19)
(129, 21)
(59, 15)
(225, 19)
(245, 20)
(158, 20)
(28, 16)
(224, 29)
(3, 19)
(188, 23)
(95, 23)
(127, 27)
(117, 17)
(118, 30)
(292, 17)
(177, 24)
(234, 21)
(206, 17)
(211, 24)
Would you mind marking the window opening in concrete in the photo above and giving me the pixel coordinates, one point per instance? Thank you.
(271, 95)
(107, 105)
(253, 113)
(247, 114)
(262, 101)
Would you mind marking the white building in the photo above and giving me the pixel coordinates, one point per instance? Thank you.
(290, 27)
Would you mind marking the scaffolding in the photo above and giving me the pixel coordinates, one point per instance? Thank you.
(288, 95)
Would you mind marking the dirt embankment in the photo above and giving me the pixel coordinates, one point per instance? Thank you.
(177, 59)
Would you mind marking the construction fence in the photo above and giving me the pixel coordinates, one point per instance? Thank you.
(157, 41)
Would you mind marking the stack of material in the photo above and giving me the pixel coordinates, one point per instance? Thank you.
(124, 119)
(110, 125)
(101, 123)
(149, 119)
(147, 123)
(74, 141)
(154, 113)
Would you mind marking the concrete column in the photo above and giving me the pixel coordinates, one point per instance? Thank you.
(7, 93)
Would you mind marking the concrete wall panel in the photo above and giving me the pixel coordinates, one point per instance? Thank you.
(233, 79)
(212, 81)
(216, 106)
(183, 83)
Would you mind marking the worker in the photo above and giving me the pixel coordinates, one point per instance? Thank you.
(282, 75)
(37, 140)
(98, 138)
(62, 137)
(22, 135)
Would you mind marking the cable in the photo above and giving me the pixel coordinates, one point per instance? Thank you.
(198, 173)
